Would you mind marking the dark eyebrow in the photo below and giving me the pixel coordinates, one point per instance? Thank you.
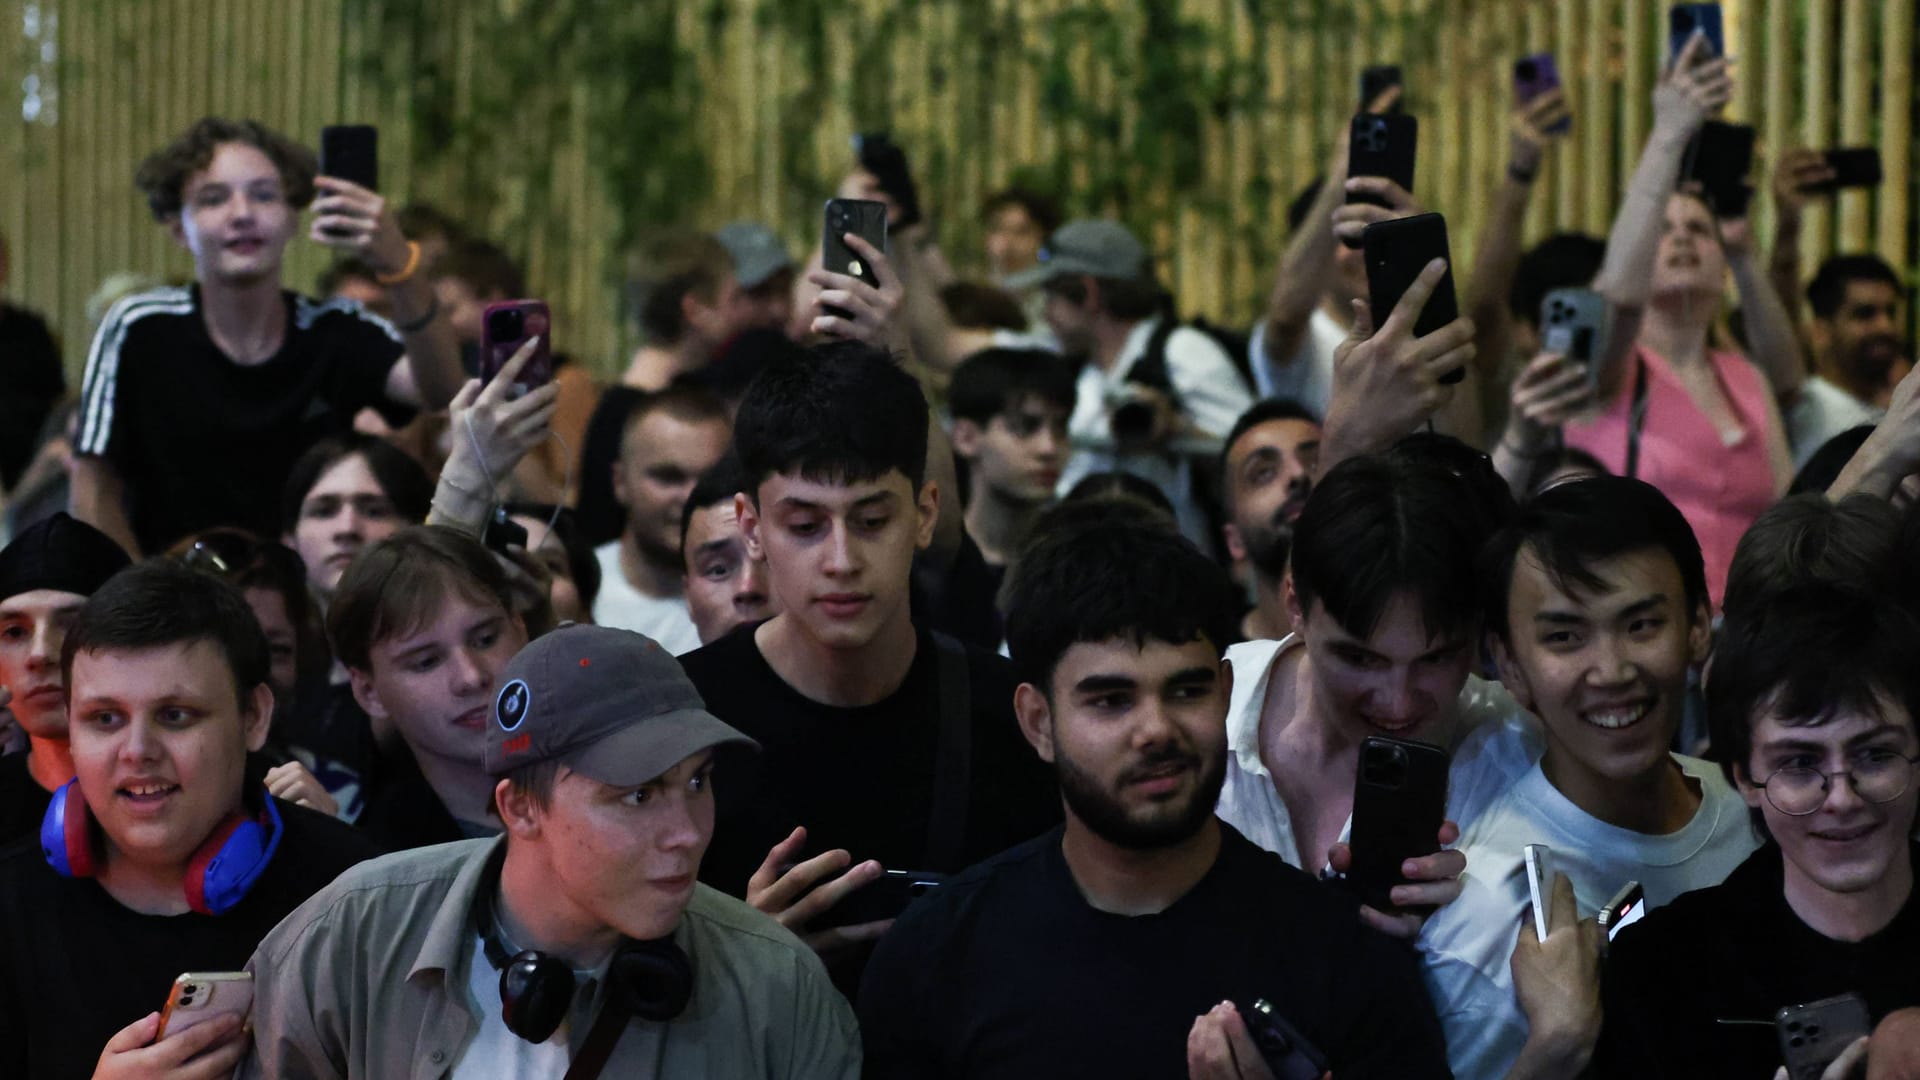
(1100, 684)
(714, 547)
(1195, 674)
(1641, 607)
(1559, 618)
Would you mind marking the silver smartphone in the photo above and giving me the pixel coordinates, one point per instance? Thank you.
(1540, 885)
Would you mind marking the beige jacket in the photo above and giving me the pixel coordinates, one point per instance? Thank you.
(368, 979)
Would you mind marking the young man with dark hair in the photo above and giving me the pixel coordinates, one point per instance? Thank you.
(1859, 353)
(46, 575)
(681, 286)
(672, 437)
(582, 935)
(1596, 606)
(471, 275)
(1091, 950)
(1017, 222)
(1147, 392)
(1266, 473)
(1811, 701)
(1809, 539)
(164, 855)
(424, 622)
(1010, 409)
(884, 744)
(347, 491)
(198, 400)
(1386, 623)
(726, 587)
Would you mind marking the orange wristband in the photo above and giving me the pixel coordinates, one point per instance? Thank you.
(413, 263)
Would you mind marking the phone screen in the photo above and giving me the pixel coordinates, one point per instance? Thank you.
(1630, 912)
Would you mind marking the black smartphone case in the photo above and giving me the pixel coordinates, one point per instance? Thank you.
(1395, 252)
(861, 217)
(1812, 1035)
(1382, 146)
(1375, 80)
(1720, 159)
(351, 152)
(1853, 167)
(1399, 802)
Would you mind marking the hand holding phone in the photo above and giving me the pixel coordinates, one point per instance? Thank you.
(1540, 887)
(198, 997)
(1686, 20)
(1399, 803)
(1627, 907)
(1850, 167)
(1535, 77)
(1396, 252)
(1382, 145)
(882, 898)
(1375, 81)
(508, 325)
(1814, 1035)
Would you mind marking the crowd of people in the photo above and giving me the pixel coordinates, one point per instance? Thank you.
(892, 674)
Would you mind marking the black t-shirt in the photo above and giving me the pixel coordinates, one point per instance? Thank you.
(1692, 989)
(202, 441)
(961, 600)
(402, 810)
(76, 966)
(861, 778)
(23, 802)
(1008, 972)
(31, 383)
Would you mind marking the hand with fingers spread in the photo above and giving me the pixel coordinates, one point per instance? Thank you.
(293, 783)
(1557, 985)
(865, 313)
(796, 893)
(1551, 390)
(1219, 1047)
(491, 429)
(1350, 219)
(208, 1051)
(1388, 382)
(1695, 87)
(355, 221)
(1433, 881)
(1536, 125)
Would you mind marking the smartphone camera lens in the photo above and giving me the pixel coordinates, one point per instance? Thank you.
(1527, 70)
(506, 325)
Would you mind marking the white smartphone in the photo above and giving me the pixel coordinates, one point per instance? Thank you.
(200, 996)
(1540, 885)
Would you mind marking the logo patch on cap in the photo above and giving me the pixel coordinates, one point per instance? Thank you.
(510, 708)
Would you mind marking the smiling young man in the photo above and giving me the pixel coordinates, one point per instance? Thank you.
(1811, 702)
(1266, 471)
(1010, 409)
(424, 622)
(46, 574)
(1596, 605)
(883, 745)
(198, 400)
(167, 675)
(726, 587)
(1091, 950)
(602, 757)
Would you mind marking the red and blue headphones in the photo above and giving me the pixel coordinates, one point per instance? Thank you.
(219, 875)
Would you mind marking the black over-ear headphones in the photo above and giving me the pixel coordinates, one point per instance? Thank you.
(651, 979)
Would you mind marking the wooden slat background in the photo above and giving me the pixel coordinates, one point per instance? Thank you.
(962, 83)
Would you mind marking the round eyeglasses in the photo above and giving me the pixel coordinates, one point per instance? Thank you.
(1877, 776)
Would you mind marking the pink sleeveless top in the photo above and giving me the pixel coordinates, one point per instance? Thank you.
(1720, 487)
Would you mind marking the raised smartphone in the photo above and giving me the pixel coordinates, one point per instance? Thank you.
(1396, 252)
(1378, 79)
(351, 152)
(1535, 75)
(1382, 146)
(506, 325)
(200, 996)
(1853, 167)
(1684, 19)
(1720, 159)
(1812, 1035)
(1573, 323)
(1399, 803)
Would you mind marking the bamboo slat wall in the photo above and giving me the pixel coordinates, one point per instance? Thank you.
(966, 88)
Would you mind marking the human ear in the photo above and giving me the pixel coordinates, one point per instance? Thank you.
(1031, 708)
(749, 516)
(365, 695)
(1512, 676)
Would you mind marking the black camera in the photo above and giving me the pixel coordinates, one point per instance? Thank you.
(1386, 769)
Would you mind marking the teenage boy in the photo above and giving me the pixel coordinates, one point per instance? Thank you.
(1010, 409)
(884, 745)
(672, 437)
(726, 587)
(1266, 473)
(681, 286)
(1146, 392)
(1596, 606)
(582, 933)
(1090, 950)
(424, 622)
(1386, 621)
(46, 574)
(164, 855)
(197, 400)
(1811, 702)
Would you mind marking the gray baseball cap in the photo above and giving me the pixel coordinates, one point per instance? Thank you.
(757, 252)
(610, 704)
(1100, 248)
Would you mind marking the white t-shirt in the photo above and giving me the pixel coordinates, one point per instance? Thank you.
(1467, 946)
(1497, 742)
(1308, 377)
(495, 1051)
(665, 619)
(1822, 411)
(1210, 391)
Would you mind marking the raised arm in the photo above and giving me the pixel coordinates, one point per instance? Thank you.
(1691, 90)
(1773, 342)
(1792, 174)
